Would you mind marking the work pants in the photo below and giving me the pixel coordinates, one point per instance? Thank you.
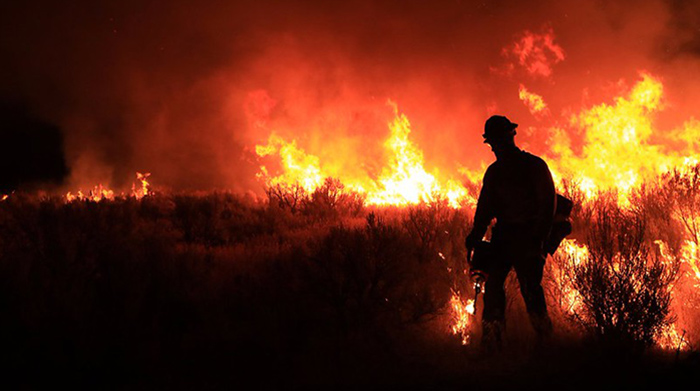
(514, 249)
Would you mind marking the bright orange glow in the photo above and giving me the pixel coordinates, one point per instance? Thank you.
(670, 339)
(612, 146)
(141, 190)
(613, 152)
(102, 193)
(96, 194)
(570, 301)
(535, 103)
(616, 152)
(403, 180)
(298, 166)
(575, 254)
(462, 314)
(690, 255)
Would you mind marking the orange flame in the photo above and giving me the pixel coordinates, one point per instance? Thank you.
(462, 314)
(570, 301)
(101, 193)
(616, 152)
(690, 253)
(96, 194)
(141, 190)
(298, 166)
(535, 103)
(403, 181)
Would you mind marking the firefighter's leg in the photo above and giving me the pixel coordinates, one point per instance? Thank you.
(529, 272)
(493, 315)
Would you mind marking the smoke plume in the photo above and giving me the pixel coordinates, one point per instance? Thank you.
(185, 89)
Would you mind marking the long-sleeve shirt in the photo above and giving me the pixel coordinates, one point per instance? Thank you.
(518, 191)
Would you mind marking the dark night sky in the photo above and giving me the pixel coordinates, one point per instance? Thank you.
(178, 88)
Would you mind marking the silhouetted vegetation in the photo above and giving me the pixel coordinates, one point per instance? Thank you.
(202, 291)
(625, 283)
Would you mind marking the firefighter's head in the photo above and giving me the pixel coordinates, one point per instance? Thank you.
(499, 132)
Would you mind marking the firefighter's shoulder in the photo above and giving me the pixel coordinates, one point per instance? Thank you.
(493, 168)
(535, 160)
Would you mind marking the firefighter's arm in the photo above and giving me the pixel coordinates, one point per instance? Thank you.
(484, 212)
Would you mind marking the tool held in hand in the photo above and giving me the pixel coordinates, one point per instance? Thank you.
(479, 259)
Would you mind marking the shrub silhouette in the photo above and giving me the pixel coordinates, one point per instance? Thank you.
(625, 285)
(332, 200)
(287, 196)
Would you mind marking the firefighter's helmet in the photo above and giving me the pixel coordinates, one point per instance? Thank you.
(498, 128)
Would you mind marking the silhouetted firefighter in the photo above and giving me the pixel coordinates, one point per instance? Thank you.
(519, 193)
